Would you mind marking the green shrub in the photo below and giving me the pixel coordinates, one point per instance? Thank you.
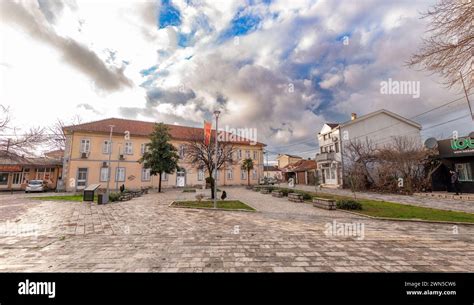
(348, 204)
(189, 191)
(306, 196)
(114, 197)
(285, 192)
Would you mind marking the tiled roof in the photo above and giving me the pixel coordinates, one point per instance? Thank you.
(271, 168)
(300, 166)
(332, 125)
(142, 128)
(13, 159)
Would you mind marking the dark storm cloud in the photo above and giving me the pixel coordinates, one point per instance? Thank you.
(157, 96)
(74, 53)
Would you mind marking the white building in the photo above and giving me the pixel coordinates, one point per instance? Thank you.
(379, 127)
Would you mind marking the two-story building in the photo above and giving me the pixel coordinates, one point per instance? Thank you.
(88, 146)
(285, 159)
(380, 128)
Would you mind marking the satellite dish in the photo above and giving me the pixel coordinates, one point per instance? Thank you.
(431, 143)
(471, 135)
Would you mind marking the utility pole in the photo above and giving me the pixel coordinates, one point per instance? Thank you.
(467, 98)
(118, 166)
(216, 113)
(108, 165)
(8, 145)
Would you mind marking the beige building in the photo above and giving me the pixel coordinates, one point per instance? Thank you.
(285, 159)
(87, 153)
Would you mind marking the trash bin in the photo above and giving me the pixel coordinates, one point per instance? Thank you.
(100, 199)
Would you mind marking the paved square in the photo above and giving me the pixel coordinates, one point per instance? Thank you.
(145, 234)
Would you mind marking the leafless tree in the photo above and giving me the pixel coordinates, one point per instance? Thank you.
(14, 141)
(202, 155)
(449, 48)
(57, 138)
(359, 158)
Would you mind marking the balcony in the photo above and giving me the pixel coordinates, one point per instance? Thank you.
(331, 156)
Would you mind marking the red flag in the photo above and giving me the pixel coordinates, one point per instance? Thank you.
(207, 132)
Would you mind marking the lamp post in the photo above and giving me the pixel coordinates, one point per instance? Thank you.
(216, 113)
(108, 164)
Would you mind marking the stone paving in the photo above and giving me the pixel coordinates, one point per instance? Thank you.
(437, 203)
(145, 234)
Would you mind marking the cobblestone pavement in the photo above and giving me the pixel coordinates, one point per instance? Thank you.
(145, 234)
(437, 203)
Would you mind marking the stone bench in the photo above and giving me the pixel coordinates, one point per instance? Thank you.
(264, 191)
(328, 204)
(295, 197)
(278, 194)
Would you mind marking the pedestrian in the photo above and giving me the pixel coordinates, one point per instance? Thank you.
(455, 181)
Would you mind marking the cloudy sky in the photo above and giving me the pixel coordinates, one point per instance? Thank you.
(283, 67)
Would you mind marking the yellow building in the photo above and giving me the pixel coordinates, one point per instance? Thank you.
(87, 153)
(285, 159)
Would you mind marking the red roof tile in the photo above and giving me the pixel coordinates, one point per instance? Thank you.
(142, 128)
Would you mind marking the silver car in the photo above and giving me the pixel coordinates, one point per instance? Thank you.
(35, 186)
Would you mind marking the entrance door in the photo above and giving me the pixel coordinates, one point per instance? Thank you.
(180, 179)
(81, 178)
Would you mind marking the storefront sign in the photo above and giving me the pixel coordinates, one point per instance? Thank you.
(456, 147)
(10, 168)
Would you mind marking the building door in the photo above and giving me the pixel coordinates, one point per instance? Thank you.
(180, 178)
(17, 180)
(81, 178)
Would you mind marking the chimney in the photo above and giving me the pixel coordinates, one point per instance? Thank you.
(353, 116)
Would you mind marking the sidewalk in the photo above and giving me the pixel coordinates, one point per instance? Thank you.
(444, 204)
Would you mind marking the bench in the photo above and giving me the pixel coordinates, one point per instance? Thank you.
(278, 194)
(323, 203)
(295, 197)
(264, 191)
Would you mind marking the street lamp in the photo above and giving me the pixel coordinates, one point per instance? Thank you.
(216, 113)
(108, 164)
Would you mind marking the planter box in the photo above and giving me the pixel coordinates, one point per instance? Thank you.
(255, 189)
(328, 204)
(265, 191)
(278, 194)
(295, 197)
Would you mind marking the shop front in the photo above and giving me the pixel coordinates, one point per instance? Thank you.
(458, 155)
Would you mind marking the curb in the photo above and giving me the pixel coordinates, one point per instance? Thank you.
(409, 220)
(212, 209)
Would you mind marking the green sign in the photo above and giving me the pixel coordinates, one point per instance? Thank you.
(462, 143)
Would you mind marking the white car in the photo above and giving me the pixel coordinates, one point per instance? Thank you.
(35, 186)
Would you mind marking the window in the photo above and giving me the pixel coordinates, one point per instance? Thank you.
(255, 155)
(145, 174)
(3, 178)
(200, 174)
(81, 177)
(143, 148)
(85, 145)
(106, 146)
(181, 151)
(128, 148)
(465, 172)
(230, 174)
(120, 174)
(104, 174)
(44, 173)
(243, 174)
(164, 176)
(247, 154)
(254, 174)
(239, 154)
(337, 147)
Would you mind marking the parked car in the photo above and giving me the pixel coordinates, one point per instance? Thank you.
(36, 186)
(268, 180)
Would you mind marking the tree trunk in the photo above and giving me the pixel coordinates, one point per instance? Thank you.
(159, 184)
(248, 177)
(212, 187)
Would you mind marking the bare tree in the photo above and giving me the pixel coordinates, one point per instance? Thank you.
(359, 158)
(202, 155)
(14, 141)
(449, 48)
(57, 138)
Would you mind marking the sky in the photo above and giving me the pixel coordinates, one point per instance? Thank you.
(282, 67)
